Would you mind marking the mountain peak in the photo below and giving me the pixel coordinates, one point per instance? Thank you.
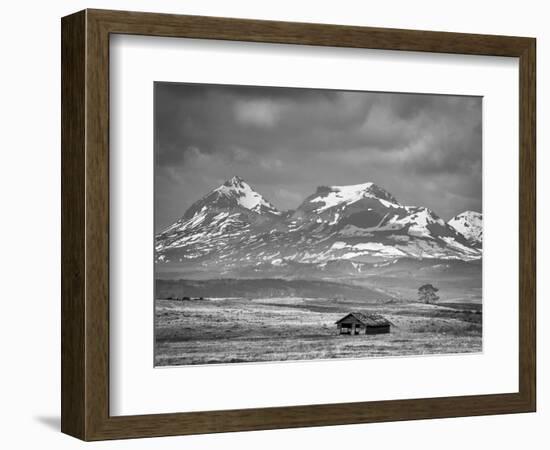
(236, 181)
(470, 225)
(331, 196)
(470, 214)
(237, 192)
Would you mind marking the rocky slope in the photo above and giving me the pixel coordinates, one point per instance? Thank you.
(470, 225)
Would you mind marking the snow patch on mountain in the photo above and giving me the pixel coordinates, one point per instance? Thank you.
(246, 197)
(420, 220)
(417, 220)
(337, 195)
(353, 231)
(366, 248)
(457, 245)
(470, 225)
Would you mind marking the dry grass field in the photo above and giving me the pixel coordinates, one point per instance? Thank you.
(231, 330)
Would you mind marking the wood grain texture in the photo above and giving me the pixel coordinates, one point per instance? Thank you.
(527, 224)
(85, 224)
(73, 320)
(151, 24)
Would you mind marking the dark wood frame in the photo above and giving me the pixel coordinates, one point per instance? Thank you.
(85, 224)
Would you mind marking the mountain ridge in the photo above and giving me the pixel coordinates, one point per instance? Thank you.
(235, 226)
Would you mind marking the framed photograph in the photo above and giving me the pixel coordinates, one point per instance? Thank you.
(272, 225)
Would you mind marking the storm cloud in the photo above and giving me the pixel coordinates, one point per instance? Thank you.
(424, 149)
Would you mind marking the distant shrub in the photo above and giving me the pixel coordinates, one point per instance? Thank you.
(427, 294)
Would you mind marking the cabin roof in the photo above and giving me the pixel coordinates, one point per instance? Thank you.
(367, 319)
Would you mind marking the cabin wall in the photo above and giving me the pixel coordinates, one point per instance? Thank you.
(350, 327)
(378, 330)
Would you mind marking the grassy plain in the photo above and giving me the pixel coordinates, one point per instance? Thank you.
(230, 330)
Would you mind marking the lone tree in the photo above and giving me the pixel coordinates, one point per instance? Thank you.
(427, 294)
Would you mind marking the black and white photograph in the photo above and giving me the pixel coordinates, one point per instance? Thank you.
(311, 224)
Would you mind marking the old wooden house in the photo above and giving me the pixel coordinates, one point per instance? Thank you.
(363, 323)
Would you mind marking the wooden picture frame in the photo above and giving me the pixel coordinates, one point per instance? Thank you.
(85, 224)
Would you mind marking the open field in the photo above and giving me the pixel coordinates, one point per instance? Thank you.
(228, 330)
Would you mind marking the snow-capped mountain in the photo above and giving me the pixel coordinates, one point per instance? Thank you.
(217, 221)
(233, 226)
(470, 225)
(232, 194)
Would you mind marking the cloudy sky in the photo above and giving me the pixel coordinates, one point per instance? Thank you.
(424, 149)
